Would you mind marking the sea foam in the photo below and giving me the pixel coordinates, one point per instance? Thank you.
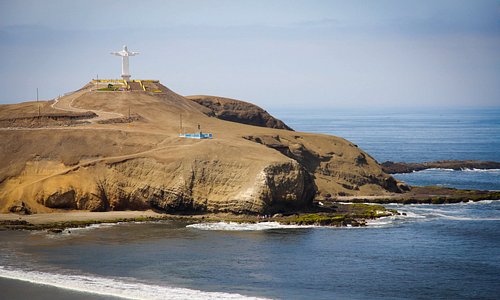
(113, 287)
(233, 226)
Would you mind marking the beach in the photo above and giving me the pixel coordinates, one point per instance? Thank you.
(79, 216)
(20, 289)
(426, 253)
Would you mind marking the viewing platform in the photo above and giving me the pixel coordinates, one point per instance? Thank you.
(198, 135)
(121, 85)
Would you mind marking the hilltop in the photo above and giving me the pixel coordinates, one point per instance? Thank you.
(101, 149)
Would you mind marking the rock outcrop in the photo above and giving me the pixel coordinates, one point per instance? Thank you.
(238, 111)
(338, 167)
(401, 167)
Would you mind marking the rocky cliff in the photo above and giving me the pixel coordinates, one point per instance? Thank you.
(142, 163)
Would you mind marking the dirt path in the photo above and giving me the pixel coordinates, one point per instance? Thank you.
(65, 103)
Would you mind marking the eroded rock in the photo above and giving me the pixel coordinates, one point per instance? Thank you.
(64, 200)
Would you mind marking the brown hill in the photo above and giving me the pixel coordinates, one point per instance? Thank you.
(109, 163)
(238, 111)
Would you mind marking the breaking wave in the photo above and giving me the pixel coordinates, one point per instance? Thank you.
(233, 226)
(454, 170)
(113, 287)
(485, 210)
(481, 170)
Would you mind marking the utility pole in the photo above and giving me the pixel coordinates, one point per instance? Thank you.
(37, 103)
(180, 125)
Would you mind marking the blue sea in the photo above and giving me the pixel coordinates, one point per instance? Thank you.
(416, 135)
(430, 252)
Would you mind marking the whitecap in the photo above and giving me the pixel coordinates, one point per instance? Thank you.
(481, 170)
(381, 222)
(404, 216)
(233, 226)
(113, 287)
(92, 226)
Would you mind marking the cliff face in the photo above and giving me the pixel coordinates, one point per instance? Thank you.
(337, 166)
(104, 165)
(238, 111)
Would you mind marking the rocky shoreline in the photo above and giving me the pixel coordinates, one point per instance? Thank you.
(401, 167)
(335, 215)
(340, 211)
(423, 195)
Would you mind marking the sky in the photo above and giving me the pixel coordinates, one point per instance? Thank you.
(277, 54)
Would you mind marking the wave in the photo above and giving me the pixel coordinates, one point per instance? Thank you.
(484, 210)
(92, 226)
(436, 169)
(453, 170)
(113, 287)
(233, 226)
(481, 170)
(405, 216)
(71, 231)
(463, 218)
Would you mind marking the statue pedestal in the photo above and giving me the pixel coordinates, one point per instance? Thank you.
(126, 77)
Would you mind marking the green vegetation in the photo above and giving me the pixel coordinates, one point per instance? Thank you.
(316, 219)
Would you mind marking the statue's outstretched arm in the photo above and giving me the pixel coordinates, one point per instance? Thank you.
(116, 53)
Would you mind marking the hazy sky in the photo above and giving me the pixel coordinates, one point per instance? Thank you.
(274, 53)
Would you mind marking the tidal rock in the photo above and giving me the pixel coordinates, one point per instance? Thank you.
(20, 208)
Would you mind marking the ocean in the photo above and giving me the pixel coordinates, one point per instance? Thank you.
(430, 252)
(416, 136)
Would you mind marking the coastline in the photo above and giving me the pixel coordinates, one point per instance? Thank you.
(337, 215)
(24, 289)
(423, 195)
(327, 211)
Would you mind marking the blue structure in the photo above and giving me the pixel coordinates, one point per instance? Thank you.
(198, 135)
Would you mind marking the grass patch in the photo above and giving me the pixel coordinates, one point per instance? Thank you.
(315, 219)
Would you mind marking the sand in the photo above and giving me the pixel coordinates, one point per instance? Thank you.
(56, 217)
(13, 289)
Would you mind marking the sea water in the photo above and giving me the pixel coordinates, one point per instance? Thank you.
(431, 252)
(416, 135)
(428, 252)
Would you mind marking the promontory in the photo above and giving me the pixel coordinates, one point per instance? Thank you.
(109, 147)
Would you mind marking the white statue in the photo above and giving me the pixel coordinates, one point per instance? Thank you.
(125, 54)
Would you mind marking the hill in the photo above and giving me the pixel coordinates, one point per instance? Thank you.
(238, 111)
(129, 156)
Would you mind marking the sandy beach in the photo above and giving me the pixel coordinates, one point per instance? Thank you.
(73, 216)
(20, 289)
